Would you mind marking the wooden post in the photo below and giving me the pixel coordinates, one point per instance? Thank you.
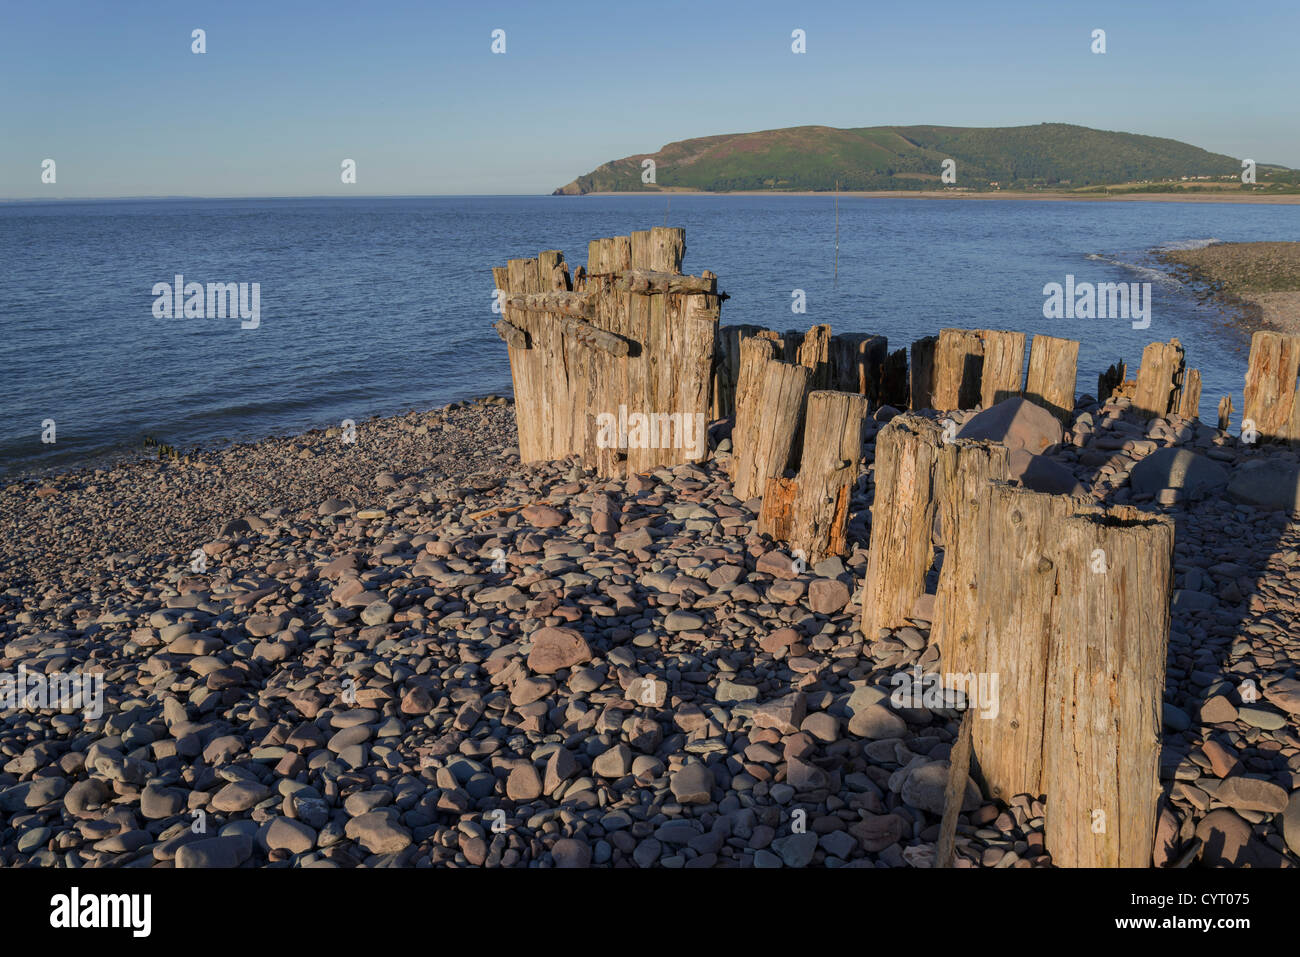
(1160, 379)
(815, 355)
(811, 512)
(1003, 375)
(1105, 687)
(726, 367)
(667, 248)
(1110, 380)
(858, 364)
(1225, 413)
(955, 791)
(1189, 405)
(764, 443)
(958, 367)
(902, 521)
(963, 475)
(893, 381)
(921, 373)
(1053, 368)
(997, 588)
(1272, 404)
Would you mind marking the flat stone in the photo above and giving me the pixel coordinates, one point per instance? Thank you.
(876, 722)
(785, 714)
(1252, 794)
(568, 852)
(795, 850)
(827, 596)
(692, 784)
(1224, 838)
(378, 833)
(557, 648)
(222, 852)
(288, 834)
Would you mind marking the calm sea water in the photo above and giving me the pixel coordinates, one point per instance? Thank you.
(376, 306)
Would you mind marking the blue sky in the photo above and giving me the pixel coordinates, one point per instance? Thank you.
(412, 92)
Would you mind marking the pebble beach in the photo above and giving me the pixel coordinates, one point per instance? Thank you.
(413, 650)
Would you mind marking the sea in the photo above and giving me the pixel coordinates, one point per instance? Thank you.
(375, 306)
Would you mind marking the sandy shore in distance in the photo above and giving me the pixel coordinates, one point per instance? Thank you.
(1264, 277)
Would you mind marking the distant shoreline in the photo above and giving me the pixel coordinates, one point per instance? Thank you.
(1280, 199)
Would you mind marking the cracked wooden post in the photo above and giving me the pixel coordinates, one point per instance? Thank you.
(1225, 413)
(810, 512)
(1272, 402)
(1003, 374)
(1053, 368)
(763, 444)
(815, 355)
(902, 521)
(964, 475)
(1160, 379)
(996, 625)
(958, 366)
(1105, 687)
(726, 367)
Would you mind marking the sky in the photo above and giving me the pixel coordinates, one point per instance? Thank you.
(412, 92)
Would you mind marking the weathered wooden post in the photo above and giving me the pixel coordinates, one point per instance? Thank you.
(726, 367)
(811, 511)
(1003, 374)
(1105, 687)
(767, 421)
(993, 611)
(1225, 413)
(1110, 380)
(902, 521)
(815, 356)
(1160, 379)
(858, 364)
(958, 367)
(964, 474)
(1189, 404)
(1272, 404)
(921, 373)
(1053, 368)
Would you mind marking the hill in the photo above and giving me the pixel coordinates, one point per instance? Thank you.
(1055, 155)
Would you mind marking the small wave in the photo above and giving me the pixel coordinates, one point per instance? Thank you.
(1143, 272)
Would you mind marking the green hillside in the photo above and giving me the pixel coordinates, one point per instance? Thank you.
(1055, 155)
